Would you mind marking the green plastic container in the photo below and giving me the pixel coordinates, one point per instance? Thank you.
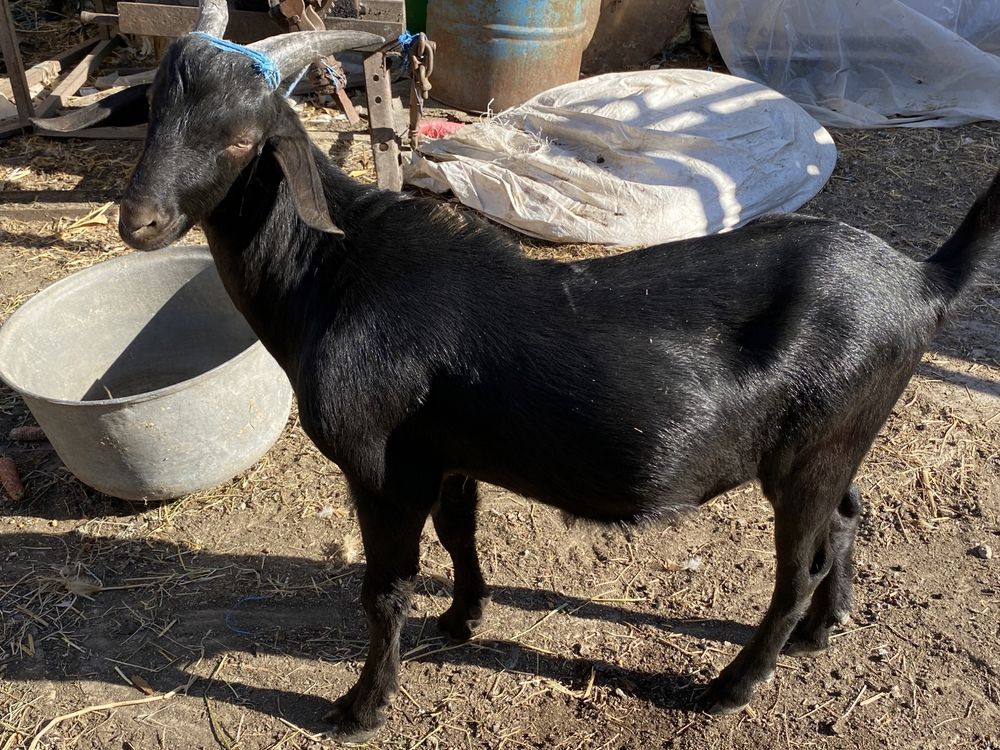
(416, 15)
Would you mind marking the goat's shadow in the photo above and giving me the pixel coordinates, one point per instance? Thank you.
(237, 609)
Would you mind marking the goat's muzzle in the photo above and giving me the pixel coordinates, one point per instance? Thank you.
(145, 225)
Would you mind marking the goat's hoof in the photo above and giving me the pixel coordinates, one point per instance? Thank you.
(347, 726)
(812, 646)
(457, 631)
(841, 616)
(721, 698)
(459, 626)
(808, 639)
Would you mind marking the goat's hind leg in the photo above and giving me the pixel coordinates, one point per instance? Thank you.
(455, 523)
(803, 508)
(834, 598)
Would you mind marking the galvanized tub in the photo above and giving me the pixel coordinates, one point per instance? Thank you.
(495, 54)
(145, 378)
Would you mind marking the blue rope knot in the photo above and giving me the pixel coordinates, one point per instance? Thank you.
(261, 62)
(405, 40)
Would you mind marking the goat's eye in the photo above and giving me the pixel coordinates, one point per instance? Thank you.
(238, 146)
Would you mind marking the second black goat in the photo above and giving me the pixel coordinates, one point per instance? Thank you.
(427, 353)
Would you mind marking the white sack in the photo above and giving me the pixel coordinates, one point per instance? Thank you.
(634, 158)
(918, 63)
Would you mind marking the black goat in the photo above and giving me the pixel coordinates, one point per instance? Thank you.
(428, 353)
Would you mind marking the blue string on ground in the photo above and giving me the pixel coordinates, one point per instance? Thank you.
(229, 617)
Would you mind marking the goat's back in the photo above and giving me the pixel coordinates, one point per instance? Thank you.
(632, 385)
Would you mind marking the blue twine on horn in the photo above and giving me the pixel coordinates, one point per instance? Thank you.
(293, 84)
(261, 62)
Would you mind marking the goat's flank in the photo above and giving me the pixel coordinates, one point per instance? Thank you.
(427, 354)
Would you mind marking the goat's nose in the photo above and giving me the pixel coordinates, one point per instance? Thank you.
(139, 219)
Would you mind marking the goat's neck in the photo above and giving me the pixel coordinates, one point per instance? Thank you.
(272, 264)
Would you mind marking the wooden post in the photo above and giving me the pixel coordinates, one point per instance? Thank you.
(381, 123)
(104, 31)
(75, 78)
(15, 67)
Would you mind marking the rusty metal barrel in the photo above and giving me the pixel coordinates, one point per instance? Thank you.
(494, 54)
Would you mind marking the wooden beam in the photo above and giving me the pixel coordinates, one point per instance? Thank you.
(105, 31)
(150, 19)
(102, 19)
(14, 64)
(391, 11)
(68, 205)
(50, 196)
(73, 80)
(76, 53)
(40, 74)
(122, 133)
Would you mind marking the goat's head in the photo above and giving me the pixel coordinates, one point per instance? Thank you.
(213, 109)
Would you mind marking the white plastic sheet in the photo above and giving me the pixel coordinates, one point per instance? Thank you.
(634, 158)
(876, 63)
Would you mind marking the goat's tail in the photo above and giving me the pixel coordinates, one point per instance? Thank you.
(957, 262)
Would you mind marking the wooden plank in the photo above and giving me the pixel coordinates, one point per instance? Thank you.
(124, 133)
(390, 11)
(40, 74)
(151, 19)
(26, 197)
(74, 54)
(73, 80)
(14, 64)
(118, 80)
(104, 20)
(105, 31)
(331, 136)
(67, 208)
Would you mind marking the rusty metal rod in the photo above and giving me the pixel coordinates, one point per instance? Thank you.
(101, 19)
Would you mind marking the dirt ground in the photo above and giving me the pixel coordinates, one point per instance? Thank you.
(597, 638)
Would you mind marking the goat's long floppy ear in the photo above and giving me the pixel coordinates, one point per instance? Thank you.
(294, 155)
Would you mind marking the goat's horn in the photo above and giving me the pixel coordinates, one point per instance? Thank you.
(292, 52)
(213, 17)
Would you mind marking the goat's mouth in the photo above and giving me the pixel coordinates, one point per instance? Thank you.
(152, 236)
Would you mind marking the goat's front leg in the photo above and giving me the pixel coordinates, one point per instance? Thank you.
(455, 523)
(803, 561)
(390, 531)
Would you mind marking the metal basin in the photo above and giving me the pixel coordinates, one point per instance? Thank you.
(145, 378)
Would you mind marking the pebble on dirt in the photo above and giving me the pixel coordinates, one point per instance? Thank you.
(982, 551)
